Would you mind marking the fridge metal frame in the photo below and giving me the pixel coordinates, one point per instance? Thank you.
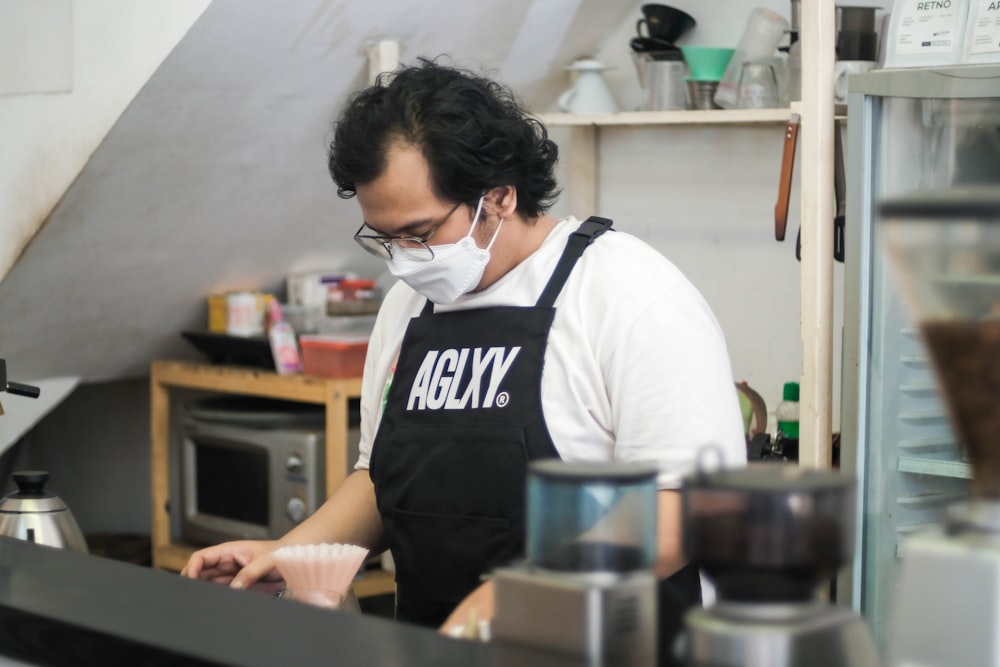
(866, 103)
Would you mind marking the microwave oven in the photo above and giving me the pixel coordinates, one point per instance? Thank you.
(245, 476)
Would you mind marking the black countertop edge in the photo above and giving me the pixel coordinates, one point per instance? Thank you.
(62, 608)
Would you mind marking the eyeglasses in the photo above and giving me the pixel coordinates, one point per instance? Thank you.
(411, 247)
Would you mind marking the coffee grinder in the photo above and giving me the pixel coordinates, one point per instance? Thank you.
(945, 246)
(587, 589)
(770, 537)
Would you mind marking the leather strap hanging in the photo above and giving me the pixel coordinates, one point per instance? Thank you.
(785, 179)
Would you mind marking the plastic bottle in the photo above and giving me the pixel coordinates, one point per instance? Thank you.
(787, 413)
(284, 346)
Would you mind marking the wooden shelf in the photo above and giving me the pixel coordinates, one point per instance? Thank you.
(374, 582)
(173, 556)
(585, 129)
(839, 110)
(921, 466)
(166, 376)
(683, 117)
(251, 381)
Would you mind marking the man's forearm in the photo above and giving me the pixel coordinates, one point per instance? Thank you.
(349, 516)
(669, 550)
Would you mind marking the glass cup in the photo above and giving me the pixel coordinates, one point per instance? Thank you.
(758, 86)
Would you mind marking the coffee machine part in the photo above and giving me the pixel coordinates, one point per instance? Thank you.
(769, 536)
(856, 37)
(768, 532)
(949, 572)
(33, 514)
(587, 589)
(15, 388)
(945, 248)
(591, 517)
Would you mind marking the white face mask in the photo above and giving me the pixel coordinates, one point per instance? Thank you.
(455, 269)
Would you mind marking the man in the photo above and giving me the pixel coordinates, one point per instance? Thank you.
(510, 336)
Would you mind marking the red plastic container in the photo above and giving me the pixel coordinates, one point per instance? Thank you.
(333, 357)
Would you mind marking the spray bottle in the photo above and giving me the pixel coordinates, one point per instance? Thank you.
(284, 345)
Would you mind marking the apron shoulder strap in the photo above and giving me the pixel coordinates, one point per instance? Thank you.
(578, 241)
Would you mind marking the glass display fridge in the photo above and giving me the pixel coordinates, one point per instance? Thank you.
(907, 130)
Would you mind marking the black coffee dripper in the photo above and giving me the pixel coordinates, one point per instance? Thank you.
(664, 26)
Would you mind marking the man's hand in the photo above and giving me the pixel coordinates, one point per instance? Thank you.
(477, 607)
(242, 564)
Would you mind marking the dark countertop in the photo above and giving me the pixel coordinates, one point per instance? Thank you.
(63, 608)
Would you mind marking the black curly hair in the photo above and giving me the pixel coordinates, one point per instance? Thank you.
(473, 132)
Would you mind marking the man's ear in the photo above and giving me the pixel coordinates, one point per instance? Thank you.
(501, 201)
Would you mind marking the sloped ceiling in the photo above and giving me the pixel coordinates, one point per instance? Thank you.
(214, 178)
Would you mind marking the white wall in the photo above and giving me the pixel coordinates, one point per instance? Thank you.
(47, 137)
(95, 445)
(702, 196)
(213, 178)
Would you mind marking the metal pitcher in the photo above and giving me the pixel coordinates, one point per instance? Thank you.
(33, 514)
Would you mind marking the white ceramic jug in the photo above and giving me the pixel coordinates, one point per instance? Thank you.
(590, 92)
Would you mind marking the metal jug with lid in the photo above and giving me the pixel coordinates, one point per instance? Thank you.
(31, 513)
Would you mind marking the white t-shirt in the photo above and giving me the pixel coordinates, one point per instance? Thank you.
(636, 367)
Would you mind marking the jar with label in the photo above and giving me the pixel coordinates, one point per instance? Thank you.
(352, 297)
(245, 314)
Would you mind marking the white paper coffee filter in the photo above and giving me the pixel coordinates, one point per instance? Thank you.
(320, 566)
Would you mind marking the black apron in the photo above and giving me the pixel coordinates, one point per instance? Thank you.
(463, 419)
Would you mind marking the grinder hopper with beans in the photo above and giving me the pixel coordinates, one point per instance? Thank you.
(770, 536)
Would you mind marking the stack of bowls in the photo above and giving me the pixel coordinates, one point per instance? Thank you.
(706, 65)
